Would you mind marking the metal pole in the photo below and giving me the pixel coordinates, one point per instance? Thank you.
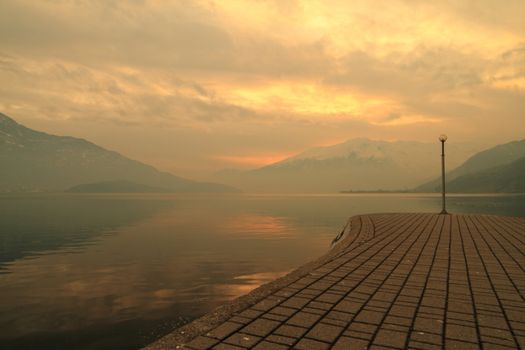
(444, 210)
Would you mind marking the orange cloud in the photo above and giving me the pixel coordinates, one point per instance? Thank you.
(216, 77)
(253, 160)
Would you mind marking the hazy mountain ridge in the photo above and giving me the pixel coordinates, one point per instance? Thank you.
(483, 163)
(119, 186)
(357, 164)
(509, 178)
(36, 161)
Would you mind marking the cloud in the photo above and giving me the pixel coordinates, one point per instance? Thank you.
(317, 70)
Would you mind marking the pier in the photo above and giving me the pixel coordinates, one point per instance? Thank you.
(391, 281)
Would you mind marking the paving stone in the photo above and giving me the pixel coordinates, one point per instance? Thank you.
(368, 316)
(380, 347)
(329, 298)
(261, 327)
(241, 320)
(284, 293)
(243, 340)
(494, 332)
(358, 335)
(291, 331)
(461, 333)
(460, 345)
(380, 304)
(460, 316)
(310, 344)
(390, 338)
(343, 316)
(394, 327)
(424, 324)
(362, 327)
(224, 330)
(313, 311)
(416, 345)
(285, 311)
(281, 339)
(296, 302)
(202, 343)
(427, 338)
(270, 316)
(521, 341)
(250, 313)
(500, 342)
(320, 286)
(348, 306)
(402, 311)
(265, 304)
(320, 305)
(347, 343)
(266, 345)
(335, 322)
(325, 332)
(402, 321)
(303, 319)
(223, 346)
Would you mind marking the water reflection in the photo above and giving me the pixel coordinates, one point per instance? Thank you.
(125, 270)
(511, 205)
(43, 223)
(104, 272)
(260, 225)
(246, 283)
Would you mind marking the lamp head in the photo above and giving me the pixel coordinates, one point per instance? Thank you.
(443, 137)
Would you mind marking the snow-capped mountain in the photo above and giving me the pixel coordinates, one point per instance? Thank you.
(357, 164)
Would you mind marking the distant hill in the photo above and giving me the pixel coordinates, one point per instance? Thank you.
(35, 161)
(490, 158)
(357, 165)
(121, 186)
(508, 178)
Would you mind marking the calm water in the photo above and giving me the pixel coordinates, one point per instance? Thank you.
(118, 271)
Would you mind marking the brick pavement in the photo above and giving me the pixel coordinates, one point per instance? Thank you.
(416, 281)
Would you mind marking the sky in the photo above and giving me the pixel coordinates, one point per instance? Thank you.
(193, 87)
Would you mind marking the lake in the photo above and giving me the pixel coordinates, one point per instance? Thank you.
(119, 271)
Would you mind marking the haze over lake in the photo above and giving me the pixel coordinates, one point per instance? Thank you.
(118, 271)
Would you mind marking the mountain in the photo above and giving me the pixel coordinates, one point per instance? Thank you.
(490, 158)
(121, 186)
(358, 164)
(508, 178)
(35, 161)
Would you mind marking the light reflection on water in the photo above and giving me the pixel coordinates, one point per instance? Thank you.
(259, 225)
(117, 271)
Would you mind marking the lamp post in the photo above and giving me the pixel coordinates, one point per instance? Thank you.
(443, 138)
